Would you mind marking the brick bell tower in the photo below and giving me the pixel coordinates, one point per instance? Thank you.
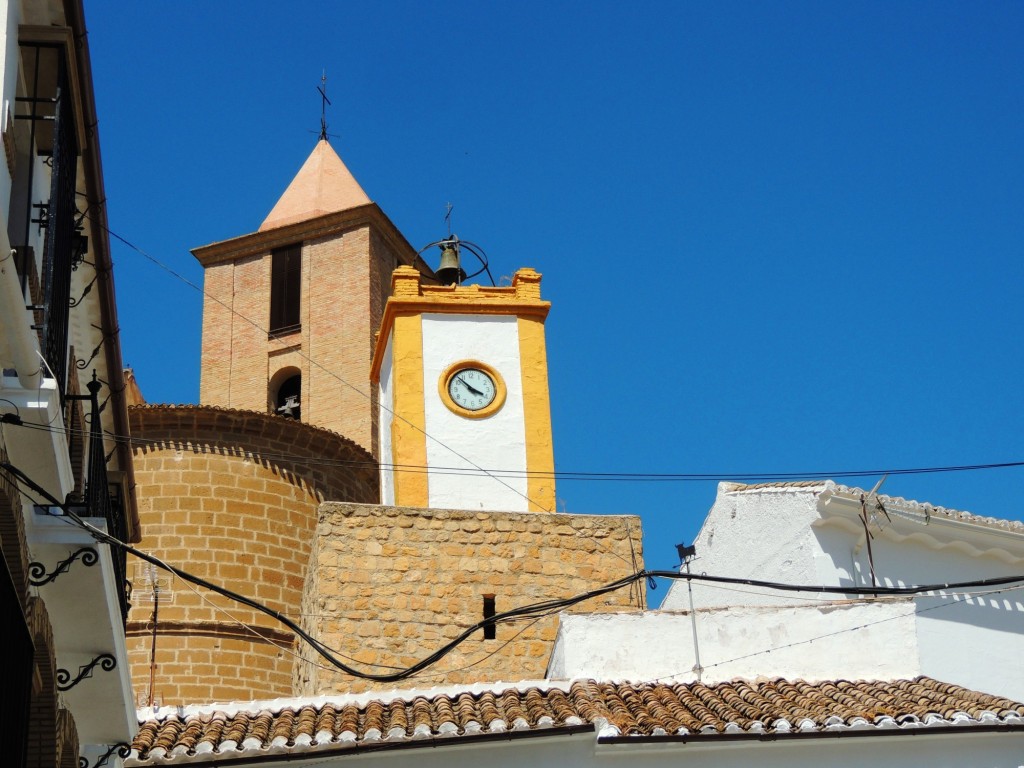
(291, 310)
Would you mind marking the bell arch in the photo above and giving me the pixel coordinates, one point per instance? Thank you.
(284, 395)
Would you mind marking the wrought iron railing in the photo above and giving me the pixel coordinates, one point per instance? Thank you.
(48, 107)
(101, 498)
(60, 233)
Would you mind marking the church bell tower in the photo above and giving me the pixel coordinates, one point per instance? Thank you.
(463, 392)
(290, 311)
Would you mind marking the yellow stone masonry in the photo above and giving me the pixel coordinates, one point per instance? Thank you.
(389, 585)
(232, 497)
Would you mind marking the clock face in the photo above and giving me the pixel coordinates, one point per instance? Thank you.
(472, 388)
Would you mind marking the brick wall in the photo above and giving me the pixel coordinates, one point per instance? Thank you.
(345, 283)
(230, 496)
(339, 334)
(389, 585)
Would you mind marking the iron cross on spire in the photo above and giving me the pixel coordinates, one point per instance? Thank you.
(324, 101)
(448, 217)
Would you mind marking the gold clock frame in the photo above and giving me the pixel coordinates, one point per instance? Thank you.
(500, 391)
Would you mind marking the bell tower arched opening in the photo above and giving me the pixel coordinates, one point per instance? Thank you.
(285, 393)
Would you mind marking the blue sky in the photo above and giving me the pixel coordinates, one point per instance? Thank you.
(778, 237)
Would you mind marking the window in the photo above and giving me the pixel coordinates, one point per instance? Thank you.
(285, 279)
(490, 630)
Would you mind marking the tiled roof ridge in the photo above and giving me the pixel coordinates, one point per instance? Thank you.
(928, 509)
(615, 710)
(736, 487)
(345, 699)
(245, 412)
(925, 508)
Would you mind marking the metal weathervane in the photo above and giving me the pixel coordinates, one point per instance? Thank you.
(324, 101)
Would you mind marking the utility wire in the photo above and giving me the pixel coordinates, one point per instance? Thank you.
(644, 477)
(313, 362)
(809, 640)
(527, 611)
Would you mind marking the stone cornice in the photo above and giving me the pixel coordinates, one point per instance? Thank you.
(312, 229)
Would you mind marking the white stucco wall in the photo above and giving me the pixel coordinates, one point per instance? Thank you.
(762, 534)
(975, 640)
(581, 750)
(386, 405)
(11, 15)
(813, 535)
(863, 640)
(456, 443)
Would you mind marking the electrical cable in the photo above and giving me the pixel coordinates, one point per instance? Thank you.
(441, 675)
(318, 646)
(313, 362)
(561, 474)
(534, 610)
(254, 631)
(859, 627)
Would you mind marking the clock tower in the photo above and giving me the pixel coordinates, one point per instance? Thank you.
(465, 419)
(467, 527)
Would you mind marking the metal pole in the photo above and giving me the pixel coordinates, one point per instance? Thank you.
(697, 668)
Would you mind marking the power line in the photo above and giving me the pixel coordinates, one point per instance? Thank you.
(534, 610)
(642, 477)
(809, 640)
(313, 362)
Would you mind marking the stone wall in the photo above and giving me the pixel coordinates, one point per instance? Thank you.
(388, 586)
(230, 496)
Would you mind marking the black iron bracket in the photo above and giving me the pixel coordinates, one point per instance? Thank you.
(37, 575)
(123, 749)
(105, 661)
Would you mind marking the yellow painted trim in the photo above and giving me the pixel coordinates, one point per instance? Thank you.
(540, 450)
(438, 305)
(408, 425)
(409, 295)
(501, 391)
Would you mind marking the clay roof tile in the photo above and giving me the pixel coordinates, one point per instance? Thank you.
(636, 710)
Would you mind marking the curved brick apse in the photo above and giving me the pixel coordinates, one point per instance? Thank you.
(232, 497)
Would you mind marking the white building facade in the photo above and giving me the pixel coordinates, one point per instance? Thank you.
(824, 534)
(68, 699)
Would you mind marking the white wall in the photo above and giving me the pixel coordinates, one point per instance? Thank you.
(976, 640)
(955, 750)
(863, 640)
(386, 401)
(455, 443)
(763, 534)
(813, 535)
(10, 13)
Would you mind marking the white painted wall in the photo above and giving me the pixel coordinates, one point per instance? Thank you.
(860, 640)
(555, 750)
(10, 13)
(762, 534)
(456, 445)
(813, 535)
(386, 401)
(976, 641)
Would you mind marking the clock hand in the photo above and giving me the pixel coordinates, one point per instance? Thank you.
(469, 386)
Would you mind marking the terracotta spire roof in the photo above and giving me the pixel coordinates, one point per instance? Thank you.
(322, 185)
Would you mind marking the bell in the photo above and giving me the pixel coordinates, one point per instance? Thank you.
(449, 272)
